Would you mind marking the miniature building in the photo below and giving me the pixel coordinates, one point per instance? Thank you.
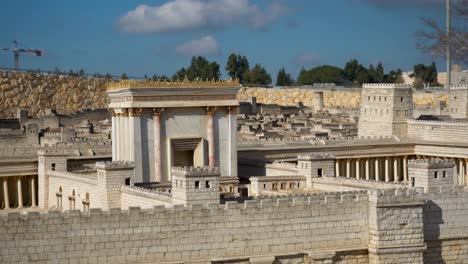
(427, 173)
(159, 125)
(195, 185)
(458, 101)
(385, 109)
(315, 165)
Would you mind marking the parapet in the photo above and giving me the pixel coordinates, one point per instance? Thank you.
(396, 197)
(386, 85)
(316, 156)
(54, 152)
(189, 171)
(431, 163)
(114, 165)
(459, 86)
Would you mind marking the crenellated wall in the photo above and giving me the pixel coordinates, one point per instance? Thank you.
(280, 227)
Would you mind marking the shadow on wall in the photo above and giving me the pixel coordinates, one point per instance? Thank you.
(433, 219)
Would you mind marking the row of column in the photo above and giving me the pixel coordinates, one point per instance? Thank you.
(13, 192)
(462, 171)
(388, 169)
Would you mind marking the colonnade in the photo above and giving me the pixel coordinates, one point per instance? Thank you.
(18, 192)
(388, 169)
(391, 169)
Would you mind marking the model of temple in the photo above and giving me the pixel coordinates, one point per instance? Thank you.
(177, 186)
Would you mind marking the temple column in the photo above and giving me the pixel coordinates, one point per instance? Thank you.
(395, 169)
(20, 193)
(460, 173)
(114, 136)
(134, 116)
(210, 111)
(367, 170)
(125, 136)
(33, 192)
(116, 140)
(157, 143)
(358, 173)
(387, 170)
(337, 168)
(5, 193)
(377, 177)
(405, 171)
(232, 116)
(348, 168)
(465, 180)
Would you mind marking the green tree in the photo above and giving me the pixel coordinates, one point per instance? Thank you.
(232, 66)
(380, 75)
(321, 74)
(394, 76)
(237, 66)
(257, 75)
(283, 78)
(124, 76)
(351, 69)
(372, 73)
(199, 69)
(424, 75)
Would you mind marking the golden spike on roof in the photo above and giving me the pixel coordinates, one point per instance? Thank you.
(126, 84)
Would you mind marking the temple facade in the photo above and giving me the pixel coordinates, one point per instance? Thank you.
(159, 125)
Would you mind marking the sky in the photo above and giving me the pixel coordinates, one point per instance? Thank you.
(141, 37)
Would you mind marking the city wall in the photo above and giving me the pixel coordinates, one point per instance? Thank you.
(232, 231)
(71, 94)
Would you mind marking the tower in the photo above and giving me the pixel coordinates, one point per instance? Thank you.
(315, 165)
(195, 185)
(428, 173)
(458, 101)
(385, 108)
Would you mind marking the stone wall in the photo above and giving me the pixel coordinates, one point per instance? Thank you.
(441, 131)
(198, 233)
(36, 92)
(70, 94)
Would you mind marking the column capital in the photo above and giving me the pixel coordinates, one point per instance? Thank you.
(233, 110)
(136, 112)
(125, 113)
(158, 111)
(210, 110)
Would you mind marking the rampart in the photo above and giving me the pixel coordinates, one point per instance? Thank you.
(215, 232)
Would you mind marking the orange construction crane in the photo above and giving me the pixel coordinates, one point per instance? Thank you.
(16, 51)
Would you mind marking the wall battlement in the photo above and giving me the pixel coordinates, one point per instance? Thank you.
(431, 163)
(459, 87)
(114, 165)
(385, 85)
(264, 202)
(316, 156)
(396, 196)
(196, 171)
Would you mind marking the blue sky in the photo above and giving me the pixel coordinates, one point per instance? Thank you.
(145, 37)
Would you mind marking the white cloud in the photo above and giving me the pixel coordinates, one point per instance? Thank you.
(184, 15)
(199, 47)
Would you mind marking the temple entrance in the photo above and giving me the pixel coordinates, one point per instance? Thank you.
(183, 158)
(188, 152)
